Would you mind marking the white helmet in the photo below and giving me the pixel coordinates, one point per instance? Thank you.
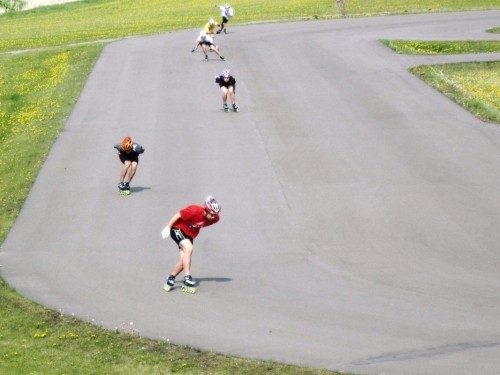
(211, 21)
(226, 73)
(212, 206)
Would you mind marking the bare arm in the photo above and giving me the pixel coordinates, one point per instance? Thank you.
(173, 220)
(166, 231)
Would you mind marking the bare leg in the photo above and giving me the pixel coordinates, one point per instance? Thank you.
(224, 95)
(232, 95)
(205, 50)
(125, 168)
(222, 26)
(214, 48)
(184, 262)
(132, 170)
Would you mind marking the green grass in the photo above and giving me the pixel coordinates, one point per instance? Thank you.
(34, 340)
(416, 47)
(90, 20)
(378, 7)
(475, 86)
(37, 92)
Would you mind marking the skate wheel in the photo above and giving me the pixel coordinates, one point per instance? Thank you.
(167, 288)
(188, 289)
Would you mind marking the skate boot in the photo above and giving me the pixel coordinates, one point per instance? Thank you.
(188, 281)
(225, 30)
(225, 108)
(194, 49)
(235, 108)
(218, 31)
(122, 189)
(189, 285)
(206, 57)
(222, 58)
(169, 284)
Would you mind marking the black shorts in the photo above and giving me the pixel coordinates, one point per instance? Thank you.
(178, 235)
(130, 157)
(225, 19)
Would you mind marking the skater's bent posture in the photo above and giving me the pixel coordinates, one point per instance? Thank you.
(207, 43)
(226, 13)
(183, 228)
(128, 153)
(210, 27)
(227, 84)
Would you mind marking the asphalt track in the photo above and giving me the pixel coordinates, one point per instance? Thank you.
(360, 215)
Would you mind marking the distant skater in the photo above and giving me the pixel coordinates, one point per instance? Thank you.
(207, 43)
(210, 27)
(128, 153)
(226, 13)
(183, 228)
(207, 31)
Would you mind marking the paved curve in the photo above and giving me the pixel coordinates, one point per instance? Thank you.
(360, 213)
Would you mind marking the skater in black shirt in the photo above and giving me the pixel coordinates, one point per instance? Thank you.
(128, 153)
(227, 84)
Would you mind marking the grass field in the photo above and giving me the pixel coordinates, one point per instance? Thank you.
(475, 86)
(34, 340)
(38, 89)
(90, 20)
(439, 47)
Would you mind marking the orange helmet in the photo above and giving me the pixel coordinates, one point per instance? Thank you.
(127, 144)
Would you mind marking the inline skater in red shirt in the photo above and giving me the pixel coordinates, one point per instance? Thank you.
(183, 228)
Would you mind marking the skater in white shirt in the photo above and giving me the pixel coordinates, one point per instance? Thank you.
(226, 13)
(207, 43)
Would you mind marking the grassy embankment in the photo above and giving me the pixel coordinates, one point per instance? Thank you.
(474, 85)
(38, 89)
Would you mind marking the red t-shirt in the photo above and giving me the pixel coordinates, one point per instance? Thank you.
(193, 219)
